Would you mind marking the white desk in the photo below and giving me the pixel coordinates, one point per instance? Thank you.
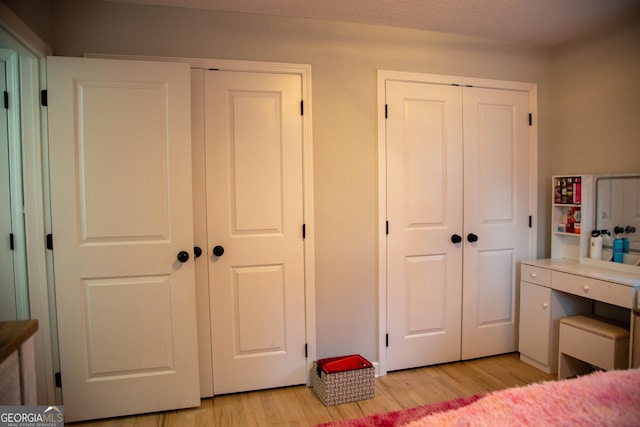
(554, 288)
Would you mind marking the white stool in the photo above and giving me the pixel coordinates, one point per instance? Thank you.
(590, 341)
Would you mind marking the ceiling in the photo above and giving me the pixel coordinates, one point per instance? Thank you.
(541, 22)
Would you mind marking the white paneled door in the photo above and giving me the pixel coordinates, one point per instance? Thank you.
(497, 162)
(253, 134)
(424, 208)
(120, 156)
(458, 206)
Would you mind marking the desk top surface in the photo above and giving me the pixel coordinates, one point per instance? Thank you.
(587, 270)
(13, 334)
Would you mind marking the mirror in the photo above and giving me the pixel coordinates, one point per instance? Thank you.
(618, 208)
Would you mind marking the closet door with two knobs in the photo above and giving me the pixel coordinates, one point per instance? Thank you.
(458, 171)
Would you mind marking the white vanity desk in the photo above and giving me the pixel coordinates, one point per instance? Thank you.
(554, 288)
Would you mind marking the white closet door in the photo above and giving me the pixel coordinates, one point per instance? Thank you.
(424, 209)
(7, 280)
(496, 210)
(120, 155)
(458, 163)
(255, 213)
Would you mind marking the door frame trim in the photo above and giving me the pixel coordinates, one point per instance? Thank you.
(31, 51)
(382, 78)
(304, 71)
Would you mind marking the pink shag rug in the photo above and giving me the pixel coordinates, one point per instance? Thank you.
(600, 399)
(404, 416)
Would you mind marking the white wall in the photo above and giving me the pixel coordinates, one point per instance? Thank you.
(36, 14)
(344, 59)
(597, 108)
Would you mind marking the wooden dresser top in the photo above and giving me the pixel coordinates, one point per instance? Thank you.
(13, 334)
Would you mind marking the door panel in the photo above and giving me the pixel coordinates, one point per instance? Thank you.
(421, 270)
(112, 207)
(495, 295)
(121, 211)
(114, 342)
(259, 304)
(255, 212)
(497, 171)
(424, 209)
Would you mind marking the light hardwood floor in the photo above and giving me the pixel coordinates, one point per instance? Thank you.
(298, 406)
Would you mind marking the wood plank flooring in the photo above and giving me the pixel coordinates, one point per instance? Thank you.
(298, 406)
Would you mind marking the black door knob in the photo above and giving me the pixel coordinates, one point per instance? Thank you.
(197, 251)
(456, 238)
(471, 238)
(218, 250)
(183, 256)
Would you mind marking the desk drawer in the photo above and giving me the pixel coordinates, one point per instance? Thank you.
(599, 290)
(531, 274)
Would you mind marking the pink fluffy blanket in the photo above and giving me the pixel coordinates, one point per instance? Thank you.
(600, 399)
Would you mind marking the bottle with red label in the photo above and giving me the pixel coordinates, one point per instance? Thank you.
(577, 190)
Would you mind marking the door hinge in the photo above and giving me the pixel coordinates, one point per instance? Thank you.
(44, 98)
(387, 340)
(58, 377)
(6, 100)
(11, 246)
(387, 227)
(386, 111)
(304, 231)
(302, 108)
(530, 119)
(50, 242)
(530, 221)
(306, 350)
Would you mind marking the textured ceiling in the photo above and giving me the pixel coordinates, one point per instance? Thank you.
(542, 22)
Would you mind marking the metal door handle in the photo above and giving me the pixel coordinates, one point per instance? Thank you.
(456, 238)
(218, 250)
(471, 238)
